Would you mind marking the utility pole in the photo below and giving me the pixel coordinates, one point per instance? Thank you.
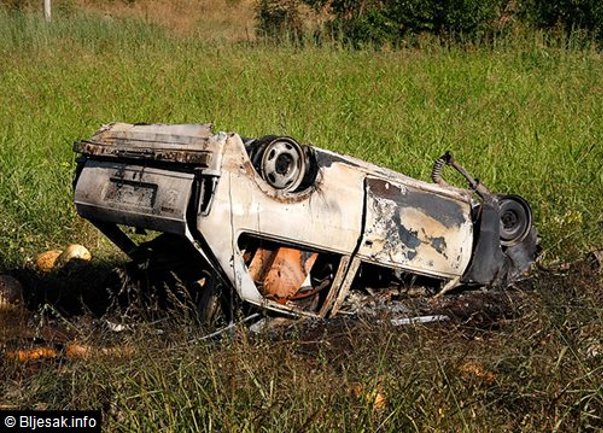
(47, 10)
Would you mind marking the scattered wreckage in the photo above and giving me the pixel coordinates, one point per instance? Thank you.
(288, 227)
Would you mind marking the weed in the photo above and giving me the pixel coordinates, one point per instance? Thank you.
(523, 115)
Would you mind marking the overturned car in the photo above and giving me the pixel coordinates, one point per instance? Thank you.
(289, 227)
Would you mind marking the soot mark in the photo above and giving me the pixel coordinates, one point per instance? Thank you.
(447, 211)
(439, 244)
(408, 237)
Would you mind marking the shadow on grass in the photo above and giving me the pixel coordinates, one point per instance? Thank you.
(529, 361)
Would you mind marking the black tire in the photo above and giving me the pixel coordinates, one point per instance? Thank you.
(515, 219)
(213, 305)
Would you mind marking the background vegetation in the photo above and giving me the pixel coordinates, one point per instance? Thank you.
(378, 22)
(522, 114)
(520, 109)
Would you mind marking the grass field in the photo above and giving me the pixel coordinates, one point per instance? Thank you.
(523, 115)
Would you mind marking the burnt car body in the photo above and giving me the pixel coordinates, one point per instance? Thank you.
(289, 227)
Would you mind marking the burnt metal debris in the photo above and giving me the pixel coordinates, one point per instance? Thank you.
(292, 228)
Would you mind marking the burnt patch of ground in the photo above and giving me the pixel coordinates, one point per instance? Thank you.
(131, 292)
(77, 288)
(526, 359)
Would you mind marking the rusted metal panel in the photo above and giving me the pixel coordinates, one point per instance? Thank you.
(260, 263)
(412, 229)
(144, 134)
(134, 195)
(316, 218)
(185, 144)
(196, 157)
(280, 273)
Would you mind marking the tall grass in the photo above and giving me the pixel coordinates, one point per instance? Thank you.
(523, 116)
(535, 368)
(226, 20)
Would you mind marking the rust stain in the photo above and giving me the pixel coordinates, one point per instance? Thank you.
(281, 272)
(260, 263)
(192, 156)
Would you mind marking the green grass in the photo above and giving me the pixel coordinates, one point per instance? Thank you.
(533, 370)
(522, 116)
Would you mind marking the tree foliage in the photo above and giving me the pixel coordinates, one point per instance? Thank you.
(393, 21)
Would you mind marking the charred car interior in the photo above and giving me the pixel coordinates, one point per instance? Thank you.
(292, 228)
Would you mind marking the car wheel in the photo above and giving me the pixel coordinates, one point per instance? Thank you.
(515, 219)
(283, 164)
(212, 305)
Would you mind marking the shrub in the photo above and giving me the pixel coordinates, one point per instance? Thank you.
(278, 19)
(377, 22)
(392, 21)
(17, 5)
(569, 15)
